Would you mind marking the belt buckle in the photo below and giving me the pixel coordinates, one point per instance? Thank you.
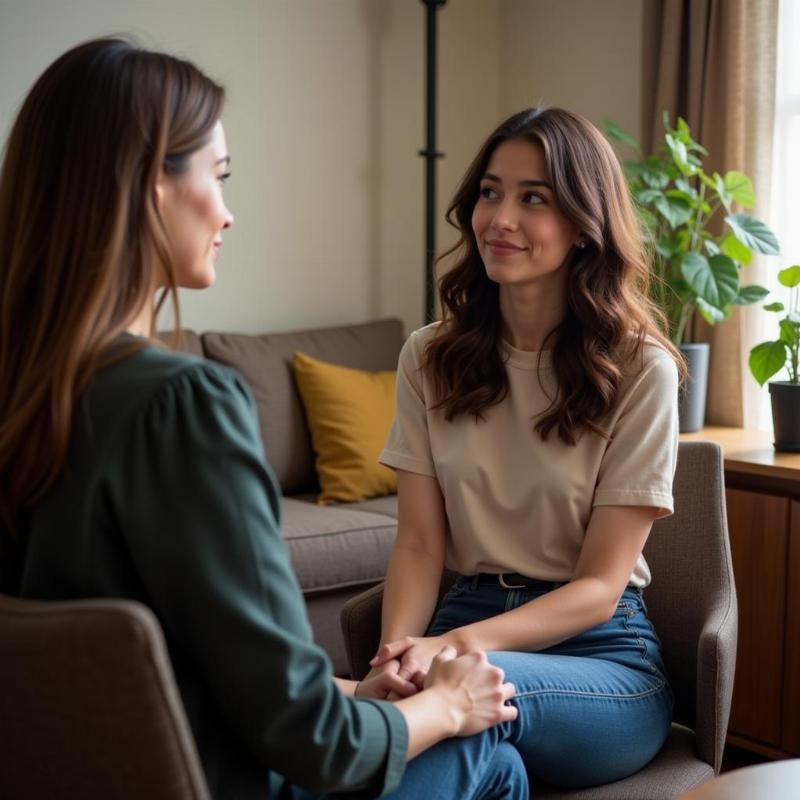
(502, 580)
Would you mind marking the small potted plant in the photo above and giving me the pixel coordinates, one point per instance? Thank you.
(769, 358)
(699, 243)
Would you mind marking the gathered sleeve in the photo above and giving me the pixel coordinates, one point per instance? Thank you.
(408, 445)
(639, 463)
(199, 512)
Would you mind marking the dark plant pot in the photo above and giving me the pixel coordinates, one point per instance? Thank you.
(692, 398)
(785, 397)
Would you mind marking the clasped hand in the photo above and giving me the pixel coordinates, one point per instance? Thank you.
(412, 654)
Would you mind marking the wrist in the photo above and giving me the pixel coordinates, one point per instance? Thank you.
(461, 640)
(450, 708)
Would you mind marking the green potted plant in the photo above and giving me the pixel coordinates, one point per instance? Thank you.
(698, 244)
(769, 358)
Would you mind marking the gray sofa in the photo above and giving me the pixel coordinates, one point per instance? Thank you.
(337, 551)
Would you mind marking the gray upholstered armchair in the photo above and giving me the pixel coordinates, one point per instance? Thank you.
(692, 602)
(89, 706)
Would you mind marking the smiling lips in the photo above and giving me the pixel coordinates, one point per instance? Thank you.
(501, 247)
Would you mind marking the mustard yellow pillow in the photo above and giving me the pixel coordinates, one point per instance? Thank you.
(349, 412)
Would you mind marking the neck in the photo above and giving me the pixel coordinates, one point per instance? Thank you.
(141, 325)
(530, 313)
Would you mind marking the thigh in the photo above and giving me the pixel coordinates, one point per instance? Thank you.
(479, 767)
(584, 720)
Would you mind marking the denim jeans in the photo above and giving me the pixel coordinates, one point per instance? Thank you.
(592, 709)
(480, 767)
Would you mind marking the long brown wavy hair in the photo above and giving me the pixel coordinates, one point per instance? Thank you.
(82, 240)
(609, 314)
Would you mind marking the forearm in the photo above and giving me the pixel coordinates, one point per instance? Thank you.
(405, 612)
(430, 717)
(543, 622)
(346, 687)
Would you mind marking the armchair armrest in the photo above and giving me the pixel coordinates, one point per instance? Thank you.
(716, 663)
(361, 628)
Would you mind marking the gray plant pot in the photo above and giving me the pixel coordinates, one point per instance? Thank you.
(785, 397)
(692, 398)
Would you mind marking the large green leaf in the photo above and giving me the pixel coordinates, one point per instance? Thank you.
(680, 155)
(750, 294)
(615, 132)
(790, 332)
(648, 195)
(715, 279)
(675, 210)
(753, 233)
(649, 219)
(740, 188)
(686, 187)
(766, 359)
(790, 276)
(724, 195)
(710, 314)
(732, 247)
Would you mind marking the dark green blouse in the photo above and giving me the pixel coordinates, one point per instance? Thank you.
(166, 498)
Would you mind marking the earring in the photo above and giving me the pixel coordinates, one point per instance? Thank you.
(581, 245)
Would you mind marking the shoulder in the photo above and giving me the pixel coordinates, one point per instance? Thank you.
(650, 378)
(167, 387)
(419, 339)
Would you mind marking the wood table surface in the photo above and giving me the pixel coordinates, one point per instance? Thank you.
(777, 780)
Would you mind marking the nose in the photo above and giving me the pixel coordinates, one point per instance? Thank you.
(505, 218)
(228, 221)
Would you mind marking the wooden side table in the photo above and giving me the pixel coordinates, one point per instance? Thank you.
(763, 503)
(778, 780)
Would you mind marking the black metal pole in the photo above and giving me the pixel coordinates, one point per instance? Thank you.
(430, 153)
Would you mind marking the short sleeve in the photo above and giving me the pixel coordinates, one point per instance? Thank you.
(198, 509)
(408, 445)
(639, 463)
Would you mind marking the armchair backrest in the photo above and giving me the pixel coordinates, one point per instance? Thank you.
(89, 705)
(692, 598)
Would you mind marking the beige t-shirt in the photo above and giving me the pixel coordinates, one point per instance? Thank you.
(516, 503)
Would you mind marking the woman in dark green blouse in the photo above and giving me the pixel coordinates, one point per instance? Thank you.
(130, 471)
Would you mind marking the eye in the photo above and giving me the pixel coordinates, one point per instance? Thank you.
(224, 177)
(489, 193)
(532, 199)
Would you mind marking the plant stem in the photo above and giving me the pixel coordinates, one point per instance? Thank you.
(683, 320)
(698, 220)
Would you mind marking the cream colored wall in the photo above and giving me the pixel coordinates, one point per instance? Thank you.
(324, 120)
(585, 55)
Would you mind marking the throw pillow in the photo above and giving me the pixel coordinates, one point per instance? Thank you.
(349, 412)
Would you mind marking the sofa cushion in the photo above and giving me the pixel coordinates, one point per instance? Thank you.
(336, 546)
(379, 505)
(349, 412)
(265, 363)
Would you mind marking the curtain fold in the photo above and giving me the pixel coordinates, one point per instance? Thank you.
(713, 63)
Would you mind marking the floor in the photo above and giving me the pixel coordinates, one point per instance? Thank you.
(735, 757)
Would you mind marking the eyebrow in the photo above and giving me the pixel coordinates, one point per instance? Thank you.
(223, 160)
(489, 177)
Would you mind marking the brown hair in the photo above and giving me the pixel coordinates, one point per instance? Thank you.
(609, 314)
(81, 235)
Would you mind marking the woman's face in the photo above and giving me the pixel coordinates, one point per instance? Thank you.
(522, 235)
(194, 212)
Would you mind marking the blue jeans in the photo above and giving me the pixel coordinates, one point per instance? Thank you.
(480, 767)
(592, 709)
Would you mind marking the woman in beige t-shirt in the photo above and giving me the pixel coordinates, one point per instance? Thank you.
(535, 443)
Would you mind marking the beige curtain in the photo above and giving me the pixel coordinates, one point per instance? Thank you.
(713, 63)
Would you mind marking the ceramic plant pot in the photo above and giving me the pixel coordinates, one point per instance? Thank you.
(785, 397)
(692, 398)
